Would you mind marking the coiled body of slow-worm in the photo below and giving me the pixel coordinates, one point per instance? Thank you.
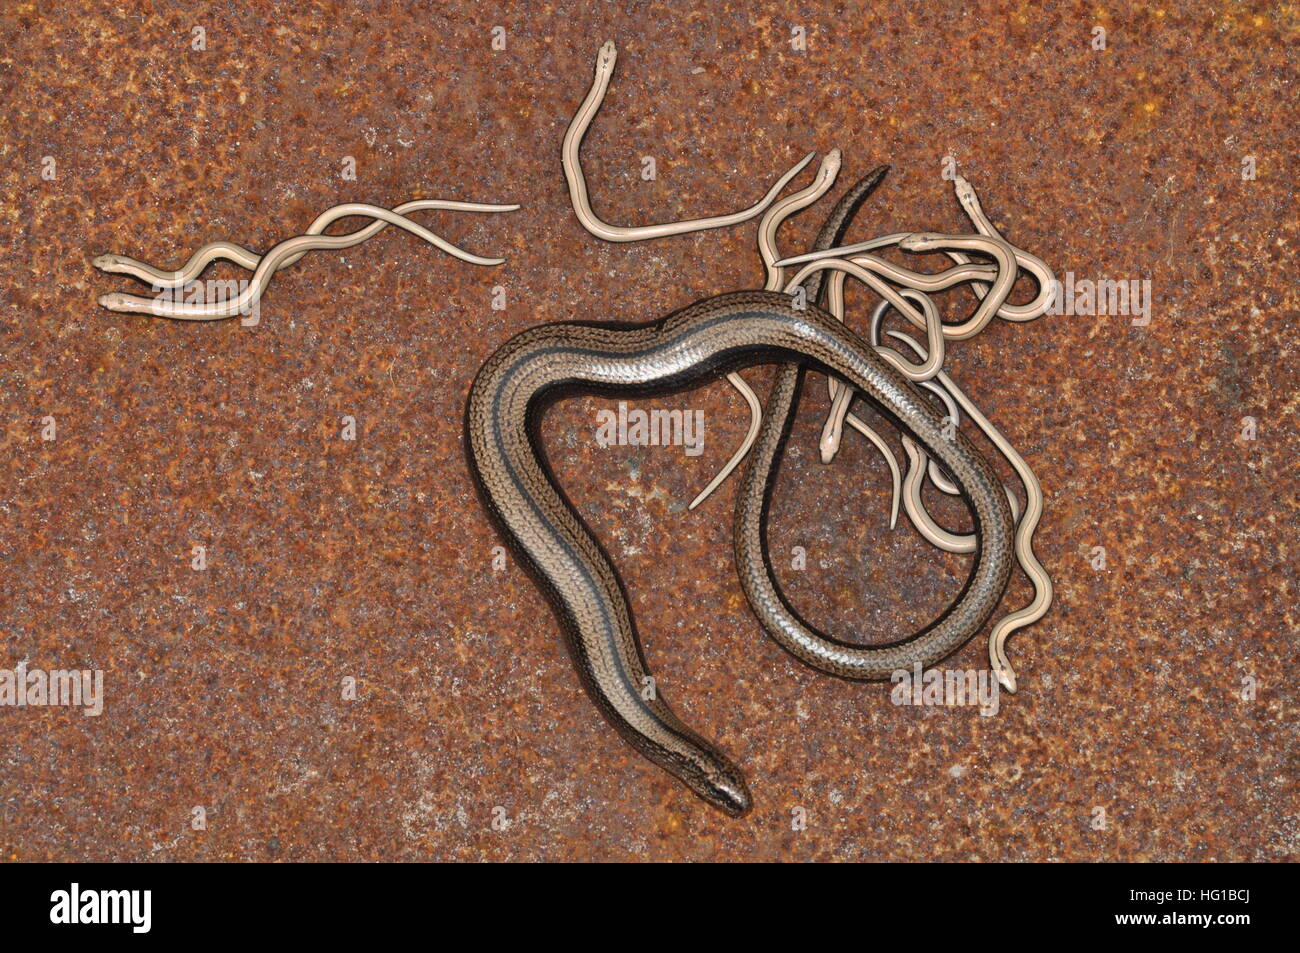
(689, 347)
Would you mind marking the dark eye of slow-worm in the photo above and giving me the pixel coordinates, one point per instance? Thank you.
(690, 347)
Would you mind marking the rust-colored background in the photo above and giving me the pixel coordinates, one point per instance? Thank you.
(373, 558)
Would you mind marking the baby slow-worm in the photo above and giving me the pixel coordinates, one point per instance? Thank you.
(866, 268)
(272, 261)
(970, 203)
(687, 348)
(248, 260)
(572, 164)
(1026, 526)
(265, 267)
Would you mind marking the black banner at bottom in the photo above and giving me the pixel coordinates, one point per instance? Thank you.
(922, 903)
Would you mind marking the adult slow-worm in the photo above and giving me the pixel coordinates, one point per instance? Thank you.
(687, 348)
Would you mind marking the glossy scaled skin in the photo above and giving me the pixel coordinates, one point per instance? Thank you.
(821, 651)
(689, 347)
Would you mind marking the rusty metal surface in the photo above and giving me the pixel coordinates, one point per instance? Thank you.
(372, 558)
